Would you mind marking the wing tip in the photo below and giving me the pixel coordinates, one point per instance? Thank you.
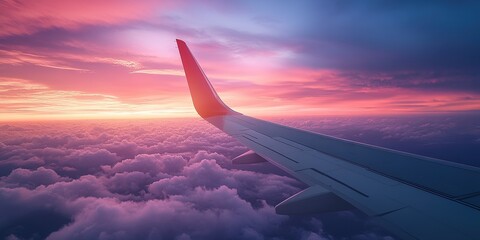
(205, 99)
(180, 41)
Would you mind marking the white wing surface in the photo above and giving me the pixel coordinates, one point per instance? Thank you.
(413, 196)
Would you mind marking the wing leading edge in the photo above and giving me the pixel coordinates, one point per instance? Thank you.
(414, 196)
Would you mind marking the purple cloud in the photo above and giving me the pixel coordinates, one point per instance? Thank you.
(31, 179)
(173, 181)
(152, 164)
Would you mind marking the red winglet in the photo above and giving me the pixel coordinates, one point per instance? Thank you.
(205, 99)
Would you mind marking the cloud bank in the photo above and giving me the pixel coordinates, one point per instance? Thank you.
(172, 179)
(169, 179)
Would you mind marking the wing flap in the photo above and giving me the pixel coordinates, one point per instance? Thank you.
(314, 199)
(248, 158)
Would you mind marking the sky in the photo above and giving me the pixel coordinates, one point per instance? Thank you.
(118, 59)
(99, 138)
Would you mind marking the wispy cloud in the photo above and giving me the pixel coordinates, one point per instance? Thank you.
(171, 72)
(22, 100)
(19, 57)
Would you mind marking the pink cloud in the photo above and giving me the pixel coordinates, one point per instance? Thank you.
(18, 58)
(27, 17)
(133, 73)
(122, 55)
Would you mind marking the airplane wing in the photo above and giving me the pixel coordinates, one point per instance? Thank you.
(415, 197)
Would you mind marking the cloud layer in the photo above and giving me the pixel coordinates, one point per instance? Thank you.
(172, 179)
(126, 180)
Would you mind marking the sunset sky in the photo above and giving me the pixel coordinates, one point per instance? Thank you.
(118, 59)
(141, 164)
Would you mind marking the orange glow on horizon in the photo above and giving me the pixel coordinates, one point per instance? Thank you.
(23, 100)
